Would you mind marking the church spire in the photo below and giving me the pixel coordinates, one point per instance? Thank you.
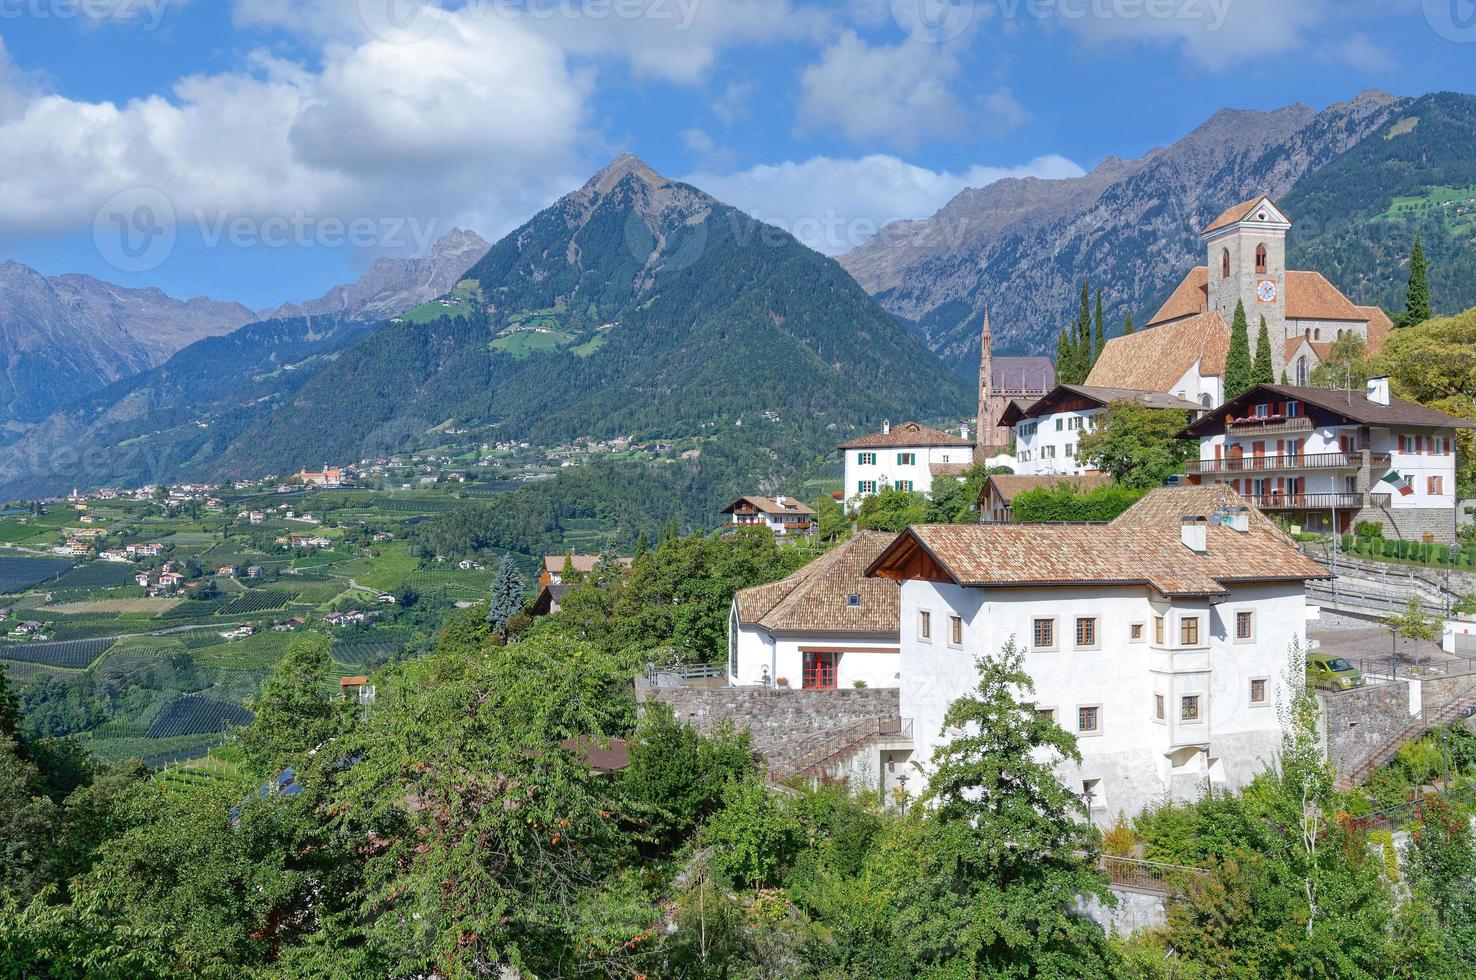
(984, 433)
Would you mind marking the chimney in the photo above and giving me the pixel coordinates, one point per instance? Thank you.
(780, 500)
(1378, 390)
(1195, 534)
(963, 431)
(1238, 520)
(886, 427)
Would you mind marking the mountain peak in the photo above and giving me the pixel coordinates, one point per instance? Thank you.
(616, 171)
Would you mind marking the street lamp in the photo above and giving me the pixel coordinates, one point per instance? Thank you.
(1088, 797)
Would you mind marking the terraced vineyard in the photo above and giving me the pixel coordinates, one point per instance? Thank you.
(98, 575)
(257, 600)
(195, 714)
(69, 654)
(381, 645)
(20, 574)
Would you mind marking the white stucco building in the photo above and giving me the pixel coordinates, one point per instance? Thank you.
(826, 626)
(1048, 432)
(1329, 459)
(1161, 641)
(904, 457)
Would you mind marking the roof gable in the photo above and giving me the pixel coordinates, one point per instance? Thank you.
(816, 598)
(1260, 209)
(1353, 407)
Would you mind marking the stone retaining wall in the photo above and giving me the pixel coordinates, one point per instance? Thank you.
(784, 724)
(1358, 721)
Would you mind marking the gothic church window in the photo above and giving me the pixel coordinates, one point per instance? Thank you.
(1224, 263)
(1261, 258)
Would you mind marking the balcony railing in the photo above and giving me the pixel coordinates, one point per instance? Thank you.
(1310, 501)
(1270, 426)
(1305, 461)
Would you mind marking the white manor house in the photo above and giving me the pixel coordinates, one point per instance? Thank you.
(1160, 640)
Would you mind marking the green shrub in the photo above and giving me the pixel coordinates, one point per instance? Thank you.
(1063, 503)
(1368, 529)
(1442, 554)
(1391, 549)
(1345, 543)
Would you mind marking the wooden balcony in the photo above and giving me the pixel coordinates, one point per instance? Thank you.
(1269, 426)
(1262, 464)
(1310, 501)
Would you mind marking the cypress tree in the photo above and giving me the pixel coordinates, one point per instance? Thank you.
(1063, 357)
(1263, 372)
(1084, 333)
(1101, 332)
(1417, 300)
(1127, 326)
(1238, 360)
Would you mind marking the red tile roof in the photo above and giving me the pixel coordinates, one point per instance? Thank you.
(907, 434)
(1142, 547)
(816, 598)
(1156, 358)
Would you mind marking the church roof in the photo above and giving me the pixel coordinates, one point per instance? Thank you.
(1236, 214)
(1309, 296)
(1191, 297)
(1379, 326)
(1156, 358)
(1023, 373)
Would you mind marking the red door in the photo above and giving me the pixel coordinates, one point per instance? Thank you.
(819, 671)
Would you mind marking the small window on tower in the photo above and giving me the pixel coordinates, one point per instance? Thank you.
(1224, 263)
(1261, 258)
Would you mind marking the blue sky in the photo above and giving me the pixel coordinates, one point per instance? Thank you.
(265, 150)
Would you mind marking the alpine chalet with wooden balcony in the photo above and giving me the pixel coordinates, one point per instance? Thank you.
(1328, 459)
(784, 516)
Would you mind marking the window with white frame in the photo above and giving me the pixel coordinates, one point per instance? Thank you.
(1258, 692)
(866, 459)
(1245, 625)
(1089, 719)
(955, 631)
(924, 625)
(907, 459)
(1135, 633)
(1086, 632)
(866, 486)
(1043, 634)
(1158, 707)
(1189, 707)
(904, 485)
(1189, 631)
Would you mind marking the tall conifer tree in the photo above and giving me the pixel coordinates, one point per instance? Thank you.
(1238, 360)
(1101, 331)
(1417, 300)
(1127, 326)
(1263, 372)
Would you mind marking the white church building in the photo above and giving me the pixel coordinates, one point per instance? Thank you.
(1183, 347)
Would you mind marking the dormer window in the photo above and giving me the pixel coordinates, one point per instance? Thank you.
(1224, 263)
(1261, 259)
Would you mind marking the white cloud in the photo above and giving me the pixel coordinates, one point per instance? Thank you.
(834, 205)
(899, 94)
(1361, 52)
(1213, 33)
(481, 123)
(673, 40)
